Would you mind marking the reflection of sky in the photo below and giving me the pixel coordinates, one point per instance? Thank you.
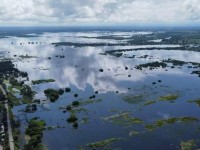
(80, 67)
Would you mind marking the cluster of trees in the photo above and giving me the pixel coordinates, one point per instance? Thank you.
(26, 91)
(52, 94)
(35, 131)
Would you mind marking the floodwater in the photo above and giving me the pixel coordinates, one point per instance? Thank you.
(124, 92)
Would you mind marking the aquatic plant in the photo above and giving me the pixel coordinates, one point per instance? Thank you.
(169, 97)
(188, 145)
(133, 99)
(103, 143)
(151, 65)
(197, 101)
(124, 119)
(149, 103)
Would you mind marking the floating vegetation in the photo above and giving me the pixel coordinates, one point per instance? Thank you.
(42, 81)
(175, 62)
(150, 127)
(160, 123)
(151, 65)
(90, 101)
(102, 144)
(188, 145)
(123, 119)
(133, 99)
(134, 133)
(149, 103)
(195, 101)
(169, 97)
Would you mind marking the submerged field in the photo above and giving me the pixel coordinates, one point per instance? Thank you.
(105, 89)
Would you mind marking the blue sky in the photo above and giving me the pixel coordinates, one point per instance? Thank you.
(99, 12)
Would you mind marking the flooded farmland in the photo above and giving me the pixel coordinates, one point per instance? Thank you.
(105, 89)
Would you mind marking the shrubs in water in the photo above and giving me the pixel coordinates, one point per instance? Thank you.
(100, 70)
(61, 91)
(75, 95)
(67, 90)
(75, 125)
(52, 94)
(75, 103)
(91, 97)
(72, 119)
(31, 108)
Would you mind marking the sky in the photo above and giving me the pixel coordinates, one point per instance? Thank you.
(98, 12)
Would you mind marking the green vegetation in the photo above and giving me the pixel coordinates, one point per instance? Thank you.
(102, 144)
(133, 99)
(72, 118)
(31, 108)
(151, 65)
(75, 95)
(27, 92)
(42, 81)
(188, 145)
(67, 90)
(169, 97)
(160, 123)
(100, 70)
(90, 101)
(149, 103)
(197, 101)
(196, 72)
(123, 119)
(134, 133)
(52, 94)
(150, 127)
(75, 103)
(35, 132)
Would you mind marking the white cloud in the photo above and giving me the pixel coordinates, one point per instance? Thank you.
(98, 11)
